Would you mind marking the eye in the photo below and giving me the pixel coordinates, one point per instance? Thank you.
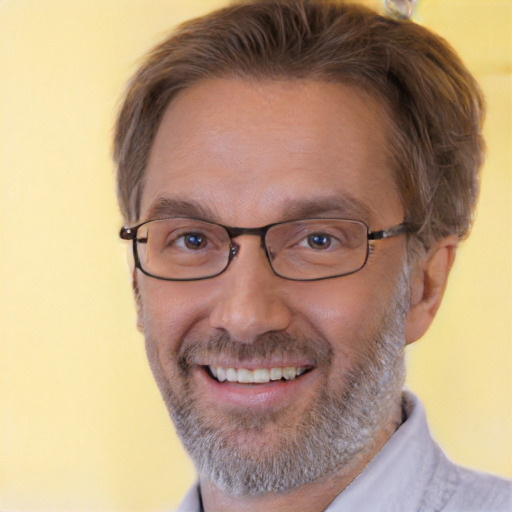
(192, 241)
(319, 241)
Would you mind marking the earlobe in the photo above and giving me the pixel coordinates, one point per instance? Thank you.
(428, 283)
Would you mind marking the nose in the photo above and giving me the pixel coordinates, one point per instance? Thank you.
(252, 299)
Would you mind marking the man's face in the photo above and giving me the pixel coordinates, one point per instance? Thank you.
(248, 154)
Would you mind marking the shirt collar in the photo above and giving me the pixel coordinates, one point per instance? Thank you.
(395, 475)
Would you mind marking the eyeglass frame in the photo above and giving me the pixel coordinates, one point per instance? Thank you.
(130, 233)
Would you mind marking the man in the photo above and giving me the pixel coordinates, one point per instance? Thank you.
(295, 177)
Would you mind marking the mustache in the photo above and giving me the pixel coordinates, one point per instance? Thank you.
(267, 346)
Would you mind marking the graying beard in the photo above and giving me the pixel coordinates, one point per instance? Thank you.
(328, 437)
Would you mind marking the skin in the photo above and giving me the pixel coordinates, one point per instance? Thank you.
(293, 142)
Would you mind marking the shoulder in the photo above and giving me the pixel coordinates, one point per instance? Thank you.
(443, 485)
(476, 491)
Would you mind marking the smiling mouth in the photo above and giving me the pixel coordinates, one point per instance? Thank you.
(257, 376)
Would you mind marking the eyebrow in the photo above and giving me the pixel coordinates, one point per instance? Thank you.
(345, 206)
(165, 207)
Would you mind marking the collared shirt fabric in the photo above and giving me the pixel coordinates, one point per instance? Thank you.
(411, 474)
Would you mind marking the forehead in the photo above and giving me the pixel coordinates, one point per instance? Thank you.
(255, 152)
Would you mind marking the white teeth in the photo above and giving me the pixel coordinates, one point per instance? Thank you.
(276, 373)
(258, 376)
(231, 375)
(261, 375)
(289, 372)
(245, 376)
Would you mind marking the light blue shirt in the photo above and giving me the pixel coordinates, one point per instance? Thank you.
(412, 474)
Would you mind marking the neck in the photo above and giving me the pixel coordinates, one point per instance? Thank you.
(314, 497)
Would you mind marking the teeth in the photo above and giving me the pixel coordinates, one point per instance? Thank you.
(261, 375)
(289, 372)
(276, 373)
(231, 375)
(245, 376)
(221, 373)
(258, 376)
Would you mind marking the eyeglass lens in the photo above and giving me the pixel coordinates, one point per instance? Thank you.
(186, 249)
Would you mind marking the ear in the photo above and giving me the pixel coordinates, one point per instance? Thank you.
(427, 286)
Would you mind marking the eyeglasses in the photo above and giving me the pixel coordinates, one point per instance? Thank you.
(184, 249)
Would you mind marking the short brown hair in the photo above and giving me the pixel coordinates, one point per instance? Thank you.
(435, 106)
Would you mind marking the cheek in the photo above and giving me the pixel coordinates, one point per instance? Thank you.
(170, 310)
(346, 312)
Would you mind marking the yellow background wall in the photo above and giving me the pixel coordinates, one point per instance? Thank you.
(82, 426)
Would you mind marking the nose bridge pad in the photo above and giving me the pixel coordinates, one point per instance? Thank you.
(234, 249)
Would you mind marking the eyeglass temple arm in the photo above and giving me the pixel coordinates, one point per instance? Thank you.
(388, 233)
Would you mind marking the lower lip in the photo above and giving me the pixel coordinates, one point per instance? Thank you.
(255, 396)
